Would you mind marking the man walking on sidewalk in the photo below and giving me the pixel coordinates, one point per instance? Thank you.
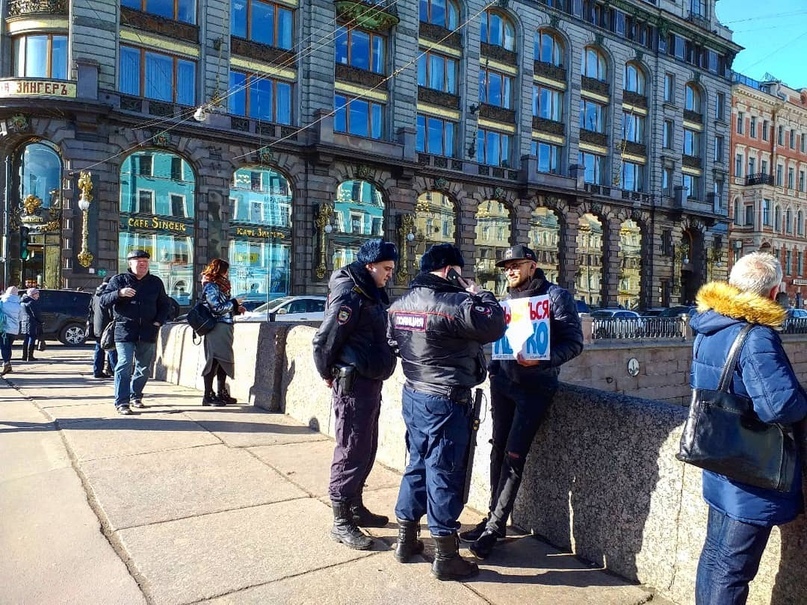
(353, 358)
(521, 392)
(139, 307)
(438, 328)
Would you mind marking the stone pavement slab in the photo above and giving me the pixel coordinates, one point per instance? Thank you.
(162, 486)
(246, 426)
(213, 555)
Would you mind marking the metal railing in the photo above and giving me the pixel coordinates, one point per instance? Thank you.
(673, 328)
(795, 325)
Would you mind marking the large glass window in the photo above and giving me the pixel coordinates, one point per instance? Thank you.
(444, 13)
(260, 233)
(260, 97)
(589, 259)
(438, 72)
(630, 264)
(632, 176)
(498, 30)
(436, 135)
(634, 79)
(692, 142)
(493, 147)
(692, 185)
(692, 98)
(547, 103)
(361, 49)
(594, 167)
(592, 116)
(40, 56)
(495, 88)
(358, 117)
(156, 215)
(548, 156)
(40, 173)
(493, 232)
(593, 64)
(633, 127)
(358, 216)
(545, 241)
(435, 220)
(147, 73)
(263, 22)
(548, 48)
(177, 10)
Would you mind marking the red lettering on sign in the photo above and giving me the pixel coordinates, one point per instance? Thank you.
(539, 310)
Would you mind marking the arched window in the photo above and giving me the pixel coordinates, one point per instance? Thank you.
(157, 208)
(498, 30)
(634, 79)
(445, 13)
(358, 216)
(41, 173)
(493, 233)
(260, 237)
(589, 259)
(593, 64)
(548, 48)
(693, 100)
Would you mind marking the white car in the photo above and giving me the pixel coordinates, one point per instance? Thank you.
(288, 308)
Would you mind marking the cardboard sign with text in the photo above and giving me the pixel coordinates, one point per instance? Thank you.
(527, 329)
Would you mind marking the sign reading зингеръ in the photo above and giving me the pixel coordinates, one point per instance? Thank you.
(527, 331)
(35, 87)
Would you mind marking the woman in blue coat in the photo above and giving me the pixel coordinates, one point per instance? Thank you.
(741, 516)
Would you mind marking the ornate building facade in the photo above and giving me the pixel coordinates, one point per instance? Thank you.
(768, 190)
(280, 134)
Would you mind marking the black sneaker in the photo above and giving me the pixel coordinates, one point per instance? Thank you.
(472, 535)
(137, 403)
(484, 545)
(125, 411)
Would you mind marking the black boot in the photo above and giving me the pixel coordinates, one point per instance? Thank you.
(345, 531)
(24, 353)
(408, 544)
(210, 398)
(484, 545)
(448, 564)
(363, 517)
(224, 395)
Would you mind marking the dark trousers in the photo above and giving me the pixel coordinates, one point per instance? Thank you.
(517, 414)
(729, 560)
(356, 419)
(438, 432)
(6, 340)
(99, 356)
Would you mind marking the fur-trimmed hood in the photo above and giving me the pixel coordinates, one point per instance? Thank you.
(727, 300)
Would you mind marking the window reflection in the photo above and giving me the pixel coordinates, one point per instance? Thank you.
(434, 222)
(358, 217)
(492, 239)
(630, 264)
(41, 173)
(589, 259)
(545, 241)
(40, 56)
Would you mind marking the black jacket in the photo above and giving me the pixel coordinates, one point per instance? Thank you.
(438, 329)
(30, 317)
(353, 331)
(97, 316)
(135, 317)
(565, 337)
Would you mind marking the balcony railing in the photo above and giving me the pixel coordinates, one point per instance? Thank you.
(759, 179)
(17, 8)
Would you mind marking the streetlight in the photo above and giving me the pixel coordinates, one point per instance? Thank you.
(85, 185)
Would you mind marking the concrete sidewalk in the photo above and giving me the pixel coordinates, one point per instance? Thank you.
(185, 504)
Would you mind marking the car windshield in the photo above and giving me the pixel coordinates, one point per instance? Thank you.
(272, 305)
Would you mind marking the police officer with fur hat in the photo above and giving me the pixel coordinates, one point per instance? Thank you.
(353, 358)
(438, 329)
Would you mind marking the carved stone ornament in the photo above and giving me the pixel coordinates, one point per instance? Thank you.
(441, 184)
(553, 21)
(18, 123)
(161, 139)
(596, 208)
(499, 193)
(363, 171)
(636, 214)
(265, 156)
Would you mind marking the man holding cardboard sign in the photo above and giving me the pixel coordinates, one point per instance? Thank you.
(543, 332)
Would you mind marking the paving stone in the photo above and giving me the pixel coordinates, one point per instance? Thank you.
(246, 426)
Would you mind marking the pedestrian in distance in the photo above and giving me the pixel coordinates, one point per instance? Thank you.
(521, 392)
(438, 329)
(741, 516)
(352, 357)
(11, 309)
(30, 323)
(139, 306)
(218, 343)
(98, 319)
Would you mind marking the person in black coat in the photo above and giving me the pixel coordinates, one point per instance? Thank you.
(30, 323)
(97, 320)
(353, 358)
(139, 306)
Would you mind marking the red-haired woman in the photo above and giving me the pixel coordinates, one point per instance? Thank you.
(219, 359)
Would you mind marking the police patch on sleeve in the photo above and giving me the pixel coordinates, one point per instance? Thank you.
(343, 315)
(483, 310)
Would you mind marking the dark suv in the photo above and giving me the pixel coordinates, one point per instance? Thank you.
(64, 315)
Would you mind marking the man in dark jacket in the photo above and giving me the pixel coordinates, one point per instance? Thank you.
(741, 516)
(438, 328)
(139, 307)
(98, 319)
(353, 358)
(521, 392)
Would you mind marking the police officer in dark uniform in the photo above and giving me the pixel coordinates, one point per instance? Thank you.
(352, 356)
(438, 328)
(521, 392)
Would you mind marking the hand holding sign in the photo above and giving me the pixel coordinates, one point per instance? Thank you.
(527, 336)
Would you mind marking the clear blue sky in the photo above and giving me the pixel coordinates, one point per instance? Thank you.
(774, 34)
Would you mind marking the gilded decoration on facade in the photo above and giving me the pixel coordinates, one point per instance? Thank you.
(406, 235)
(365, 15)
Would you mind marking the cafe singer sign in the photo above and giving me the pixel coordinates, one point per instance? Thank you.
(37, 87)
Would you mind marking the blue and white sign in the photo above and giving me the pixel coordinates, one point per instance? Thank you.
(527, 329)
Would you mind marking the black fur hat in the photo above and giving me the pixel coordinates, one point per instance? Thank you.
(439, 256)
(376, 251)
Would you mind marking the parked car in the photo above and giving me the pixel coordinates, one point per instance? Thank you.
(64, 315)
(288, 308)
(619, 323)
(582, 307)
(252, 300)
(677, 310)
(797, 313)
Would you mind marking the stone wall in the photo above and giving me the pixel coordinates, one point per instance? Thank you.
(601, 480)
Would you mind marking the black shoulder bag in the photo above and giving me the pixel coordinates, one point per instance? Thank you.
(724, 435)
(201, 318)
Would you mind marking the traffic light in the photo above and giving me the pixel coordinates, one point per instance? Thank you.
(24, 251)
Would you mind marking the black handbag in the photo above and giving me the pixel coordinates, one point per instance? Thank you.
(724, 435)
(40, 345)
(107, 341)
(201, 318)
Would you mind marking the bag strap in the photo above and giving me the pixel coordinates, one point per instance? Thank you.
(731, 363)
